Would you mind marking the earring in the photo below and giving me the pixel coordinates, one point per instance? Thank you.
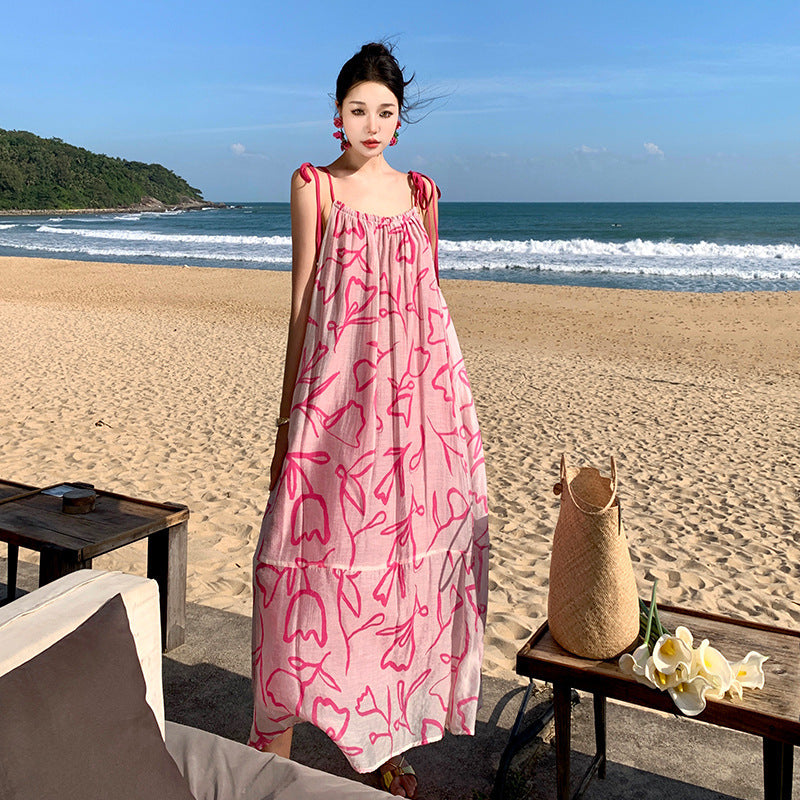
(340, 134)
(393, 140)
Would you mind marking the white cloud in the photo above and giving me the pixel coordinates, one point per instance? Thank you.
(584, 148)
(240, 151)
(653, 150)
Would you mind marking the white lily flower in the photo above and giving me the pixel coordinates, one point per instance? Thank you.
(690, 696)
(670, 653)
(661, 680)
(710, 664)
(635, 665)
(748, 673)
(685, 635)
(692, 675)
(736, 689)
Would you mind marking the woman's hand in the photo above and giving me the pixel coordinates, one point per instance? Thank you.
(281, 448)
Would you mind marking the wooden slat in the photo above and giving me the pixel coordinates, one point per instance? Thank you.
(10, 490)
(742, 623)
(773, 711)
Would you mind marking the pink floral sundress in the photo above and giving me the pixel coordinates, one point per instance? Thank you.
(370, 575)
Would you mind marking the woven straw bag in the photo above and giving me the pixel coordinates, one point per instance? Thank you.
(593, 605)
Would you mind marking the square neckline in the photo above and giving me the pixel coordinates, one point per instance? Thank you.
(372, 216)
(369, 214)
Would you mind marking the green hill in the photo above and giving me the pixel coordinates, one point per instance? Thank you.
(38, 173)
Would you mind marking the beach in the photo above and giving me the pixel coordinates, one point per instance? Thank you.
(162, 382)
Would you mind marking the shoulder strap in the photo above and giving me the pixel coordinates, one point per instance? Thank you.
(423, 188)
(330, 181)
(310, 173)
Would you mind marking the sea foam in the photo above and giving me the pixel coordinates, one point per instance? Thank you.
(147, 236)
(634, 248)
(167, 254)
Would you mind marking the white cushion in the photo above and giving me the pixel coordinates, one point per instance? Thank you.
(32, 623)
(219, 769)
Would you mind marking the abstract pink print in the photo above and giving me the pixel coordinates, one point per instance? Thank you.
(370, 574)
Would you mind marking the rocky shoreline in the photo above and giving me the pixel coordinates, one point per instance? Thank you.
(150, 204)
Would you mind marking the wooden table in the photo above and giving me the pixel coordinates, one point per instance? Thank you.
(68, 542)
(772, 713)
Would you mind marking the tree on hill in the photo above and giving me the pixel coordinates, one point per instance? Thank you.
(38, 173)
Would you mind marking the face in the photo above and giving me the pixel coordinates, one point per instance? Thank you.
(370, 114)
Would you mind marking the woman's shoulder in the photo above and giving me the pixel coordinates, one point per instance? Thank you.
(305, 173)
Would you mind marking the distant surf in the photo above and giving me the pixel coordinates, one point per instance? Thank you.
(676, 246)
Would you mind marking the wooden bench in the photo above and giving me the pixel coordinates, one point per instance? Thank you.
(773, 713)
(33, 519)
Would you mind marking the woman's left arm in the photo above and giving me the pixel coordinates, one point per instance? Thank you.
(429, 204)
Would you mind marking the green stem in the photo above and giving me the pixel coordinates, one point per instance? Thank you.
(650, 614)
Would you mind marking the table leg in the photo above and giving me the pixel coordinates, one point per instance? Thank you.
(54, 564)
(598, 763)
(600, 734)
(778, 758)
(563, 726)
(11, 574)
(166, 563)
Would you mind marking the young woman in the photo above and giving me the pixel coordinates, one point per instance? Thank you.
(370, 573)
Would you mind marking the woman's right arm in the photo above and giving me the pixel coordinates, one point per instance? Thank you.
(304, 245)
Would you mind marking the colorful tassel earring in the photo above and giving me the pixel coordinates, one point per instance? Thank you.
(340, 134)
(393, 140)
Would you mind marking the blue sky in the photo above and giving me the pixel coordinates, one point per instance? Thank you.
(540, 101)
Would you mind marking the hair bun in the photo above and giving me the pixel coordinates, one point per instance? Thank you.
(373, 62)
(375, 49)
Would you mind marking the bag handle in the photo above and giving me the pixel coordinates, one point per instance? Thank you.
(559, 487)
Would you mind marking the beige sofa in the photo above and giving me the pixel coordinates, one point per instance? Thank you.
(36, 632)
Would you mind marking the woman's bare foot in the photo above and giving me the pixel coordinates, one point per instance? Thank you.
(398, 777)
(281, 745)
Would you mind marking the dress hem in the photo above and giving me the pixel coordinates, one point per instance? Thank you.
(406, 748)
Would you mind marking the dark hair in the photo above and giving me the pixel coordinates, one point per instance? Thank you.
(373, 62)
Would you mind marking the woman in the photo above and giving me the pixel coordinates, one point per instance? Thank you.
(370, 573)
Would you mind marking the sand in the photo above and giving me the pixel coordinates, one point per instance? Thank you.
(163, 383)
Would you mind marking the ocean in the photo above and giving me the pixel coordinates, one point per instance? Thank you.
(697, 247)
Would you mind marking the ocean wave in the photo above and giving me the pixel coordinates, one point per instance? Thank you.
(654, 267)
(154, 214)
(245, 243)
(659, 270)
(633, 248)
(150, 252)
(499, 249)
(186, 238)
